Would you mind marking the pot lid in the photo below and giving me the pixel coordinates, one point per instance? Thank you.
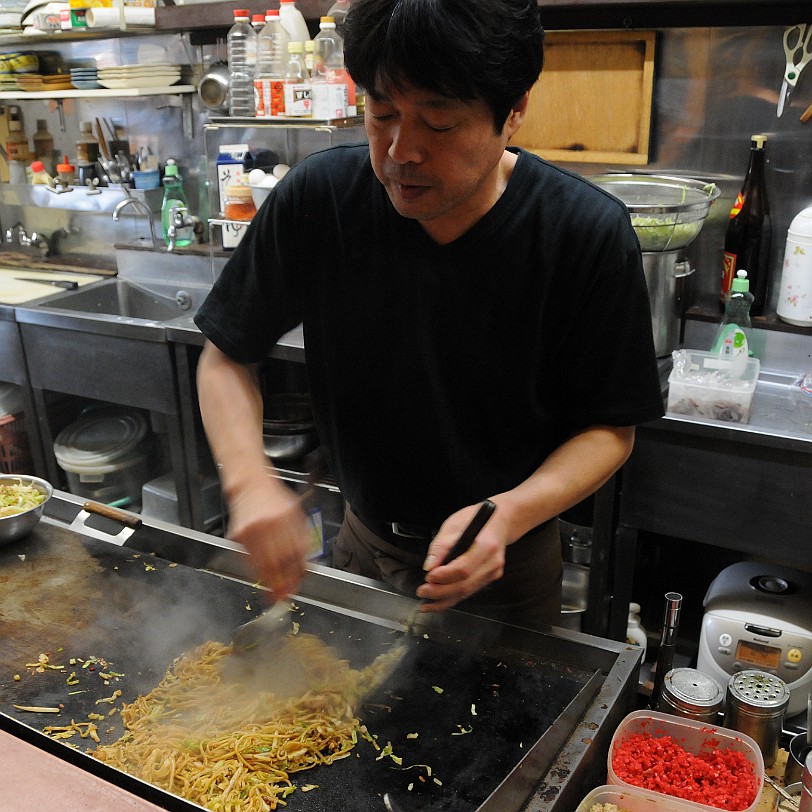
(100, 436)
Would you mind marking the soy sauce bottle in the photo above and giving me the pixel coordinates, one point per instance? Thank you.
(749, 233)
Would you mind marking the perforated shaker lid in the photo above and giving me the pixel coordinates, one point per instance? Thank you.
(758, 692)
(692, 690)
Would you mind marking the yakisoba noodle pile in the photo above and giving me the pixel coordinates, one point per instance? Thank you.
(232, 749)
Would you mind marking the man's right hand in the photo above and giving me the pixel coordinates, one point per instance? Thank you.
(268, 520)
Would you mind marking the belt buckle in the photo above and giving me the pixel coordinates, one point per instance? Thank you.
(400, 530)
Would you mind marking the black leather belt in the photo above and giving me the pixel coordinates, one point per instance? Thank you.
(404, 536)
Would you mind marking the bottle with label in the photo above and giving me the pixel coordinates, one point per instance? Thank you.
(17, 152)
(174, 198)
(272, 61)
(44, 146)
(294, 21)
(241, 44)
(329, 79)
(749, 232)
(297, 84)
(87, 145)
(734, 337)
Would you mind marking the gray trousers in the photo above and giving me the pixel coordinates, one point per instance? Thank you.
(528, 594)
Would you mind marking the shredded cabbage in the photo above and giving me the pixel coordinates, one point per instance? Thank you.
(19, 497)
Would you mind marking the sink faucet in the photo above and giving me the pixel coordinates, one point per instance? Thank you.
(35, 240)
(179, 217)
(139, 206)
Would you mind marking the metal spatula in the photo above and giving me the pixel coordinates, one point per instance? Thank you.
(267, 630)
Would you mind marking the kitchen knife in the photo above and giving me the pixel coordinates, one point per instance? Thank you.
(57, 283)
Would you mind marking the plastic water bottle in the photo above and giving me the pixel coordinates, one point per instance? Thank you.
(338, 11)
(329, 80)
(174, 198)
(298, 103)
(272, 62)
(242, 49)
(294, 21)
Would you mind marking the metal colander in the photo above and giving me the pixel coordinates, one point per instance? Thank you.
(667, 212)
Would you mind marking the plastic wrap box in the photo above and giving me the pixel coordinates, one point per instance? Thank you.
(691, 735)
(707, 386)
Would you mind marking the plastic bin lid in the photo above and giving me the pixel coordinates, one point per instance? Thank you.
(100, 438)
(11, 399)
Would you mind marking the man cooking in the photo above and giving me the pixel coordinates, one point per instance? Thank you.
(476, 324)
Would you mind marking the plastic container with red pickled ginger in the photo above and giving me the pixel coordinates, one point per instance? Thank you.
(705, 767)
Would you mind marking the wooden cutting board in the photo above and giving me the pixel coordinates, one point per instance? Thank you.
(13, 291)
(592, 103)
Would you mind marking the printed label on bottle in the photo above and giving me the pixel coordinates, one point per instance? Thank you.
(728, 272)
(329, 100)
(737, 206)
(297, 100)
(17, 151)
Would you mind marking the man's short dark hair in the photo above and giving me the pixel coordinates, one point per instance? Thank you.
(463, 49)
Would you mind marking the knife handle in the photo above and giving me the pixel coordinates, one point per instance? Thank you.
(468, 535)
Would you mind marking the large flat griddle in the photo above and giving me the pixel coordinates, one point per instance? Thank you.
(495, 709)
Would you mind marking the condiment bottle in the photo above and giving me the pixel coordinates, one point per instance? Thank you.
(174, 198)
(66, 171)
(749, 232)
(39, 175)
(44, 145)
(272, 60)
(734, 336)
(297, 84)
(87, 145)
(239, 202)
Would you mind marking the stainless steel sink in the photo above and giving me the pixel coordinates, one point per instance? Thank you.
(119, 306)
(121, 297)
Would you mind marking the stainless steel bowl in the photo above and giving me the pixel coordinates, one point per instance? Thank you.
(213, 88)
(288, 429)
(18, 525)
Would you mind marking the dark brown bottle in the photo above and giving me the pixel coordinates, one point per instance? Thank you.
(749, 233)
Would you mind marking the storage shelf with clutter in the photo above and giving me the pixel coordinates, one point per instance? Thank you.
(76, 198)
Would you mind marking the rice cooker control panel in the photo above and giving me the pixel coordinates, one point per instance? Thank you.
(759, 616)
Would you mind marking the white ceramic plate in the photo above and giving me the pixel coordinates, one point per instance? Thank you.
(140, 82)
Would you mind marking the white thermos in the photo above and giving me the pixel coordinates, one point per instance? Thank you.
(795, 296)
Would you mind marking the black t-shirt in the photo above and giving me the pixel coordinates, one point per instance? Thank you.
(443, 374)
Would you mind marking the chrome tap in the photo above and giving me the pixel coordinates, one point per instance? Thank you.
(140, 206)
(35, 240)
(179, 217)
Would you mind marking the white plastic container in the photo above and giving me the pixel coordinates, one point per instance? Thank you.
(105, 454)
(694, 737)
(707, 386)
(795, 296)
(294, 21)
(633, 800)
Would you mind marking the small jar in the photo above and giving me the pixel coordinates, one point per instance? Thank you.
(239, 203)
(691, 694)
(66, 172)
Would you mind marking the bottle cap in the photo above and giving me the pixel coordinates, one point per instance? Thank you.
(171, 168)
(37, 166)
(295, 47)
(257, 18)
(41, 125)
(271, 12)
(242, 12)
(328, 21)
(67, 167)
(741, 282)
(759, 141)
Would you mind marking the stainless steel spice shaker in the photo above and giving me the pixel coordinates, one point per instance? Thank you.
(691, 694)
(755, 705)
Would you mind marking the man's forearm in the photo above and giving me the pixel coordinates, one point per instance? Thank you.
(574, 471)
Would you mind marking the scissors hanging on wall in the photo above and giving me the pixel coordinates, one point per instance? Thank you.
(796, 44)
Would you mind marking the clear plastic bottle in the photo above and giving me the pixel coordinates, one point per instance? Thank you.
(294, 21)
(174, 197)
(329, 79)
(242, 48)
(338, 11)
(734, 337)
(272, 62)
(297, 84)
(44, 146)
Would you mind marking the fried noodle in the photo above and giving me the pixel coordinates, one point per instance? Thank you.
(230, 747)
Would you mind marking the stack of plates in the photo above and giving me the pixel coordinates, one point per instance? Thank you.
(84, 78)
(137, 76)
(36, 81)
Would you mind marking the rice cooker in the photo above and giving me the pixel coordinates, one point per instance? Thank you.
(759, 616)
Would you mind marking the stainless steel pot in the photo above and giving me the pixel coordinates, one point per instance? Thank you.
(213, 88)
(665, 279)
